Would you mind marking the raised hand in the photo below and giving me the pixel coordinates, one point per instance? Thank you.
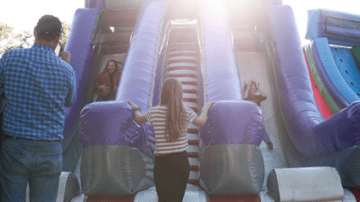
(208, 105)
(65, 55)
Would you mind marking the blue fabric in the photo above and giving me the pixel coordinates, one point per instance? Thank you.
(347, 67)
(330, 73)
(340, 28)
(38, 163)
(37, 85)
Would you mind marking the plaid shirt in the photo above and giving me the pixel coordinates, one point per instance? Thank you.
(37, 84)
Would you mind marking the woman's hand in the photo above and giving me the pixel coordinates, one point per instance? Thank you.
(102, 87)
(138, 116)
(207, 105)
(133, 105)
(200, 121)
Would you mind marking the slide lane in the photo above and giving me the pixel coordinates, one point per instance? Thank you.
(183, 64)
(240, 135)
(115, 145)
(276, 128)
(312, 141)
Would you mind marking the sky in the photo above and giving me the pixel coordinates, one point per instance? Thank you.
(24, 14)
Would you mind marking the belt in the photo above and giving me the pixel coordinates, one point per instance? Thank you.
(20, 138)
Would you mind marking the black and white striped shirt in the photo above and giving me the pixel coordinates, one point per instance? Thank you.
(157, 117)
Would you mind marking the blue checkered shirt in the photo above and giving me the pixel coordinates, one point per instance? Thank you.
(37, 84)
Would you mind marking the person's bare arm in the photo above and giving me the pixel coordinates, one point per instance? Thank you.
(71, 96)
(246, 94)
(140, 118)
(201, 120)
(65, 55)
(263, 95)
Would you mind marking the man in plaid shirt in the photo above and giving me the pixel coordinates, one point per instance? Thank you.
(37, 84)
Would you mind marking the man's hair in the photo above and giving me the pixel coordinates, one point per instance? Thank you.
(49, 27)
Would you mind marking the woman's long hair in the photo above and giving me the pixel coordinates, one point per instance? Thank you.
(171, 96)
(246, 86)
(111, 76)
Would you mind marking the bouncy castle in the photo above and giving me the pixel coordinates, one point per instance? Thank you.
(214, 47)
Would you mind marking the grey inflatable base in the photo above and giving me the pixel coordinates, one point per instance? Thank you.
(113, 170)
(305, 184)
(233, 169)
(72, 187)
(72, 154)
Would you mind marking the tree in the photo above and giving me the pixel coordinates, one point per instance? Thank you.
(66, 28)
(10, 40)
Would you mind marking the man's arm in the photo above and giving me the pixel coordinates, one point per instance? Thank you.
(2, 65)
(262, 94)
(71, 96)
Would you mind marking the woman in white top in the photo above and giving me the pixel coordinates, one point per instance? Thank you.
(170, 119)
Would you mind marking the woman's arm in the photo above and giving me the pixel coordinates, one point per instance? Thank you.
(201, 120)
(263, 95)
(116, 80)
(246, 94)
(138, 116)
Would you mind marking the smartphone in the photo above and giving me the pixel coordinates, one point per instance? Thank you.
(59, 48)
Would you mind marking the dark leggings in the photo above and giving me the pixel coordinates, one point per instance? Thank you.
(171, 174)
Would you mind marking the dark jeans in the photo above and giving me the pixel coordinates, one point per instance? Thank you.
(38, 163)
(171, 174)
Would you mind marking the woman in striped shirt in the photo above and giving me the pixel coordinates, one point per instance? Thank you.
(169, 120)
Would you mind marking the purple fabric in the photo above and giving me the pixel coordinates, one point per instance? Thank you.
(310, 134)
(232, 122)
(222, 76)
(329, 72)
(81, 51)
(138, 71)
(158, 79)
(113, 123)
(98, 4)
(340, 28)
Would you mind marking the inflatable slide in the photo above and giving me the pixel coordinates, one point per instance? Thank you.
(213, 48)
(159, 49)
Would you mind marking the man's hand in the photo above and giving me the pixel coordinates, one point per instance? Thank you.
(65, 55)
